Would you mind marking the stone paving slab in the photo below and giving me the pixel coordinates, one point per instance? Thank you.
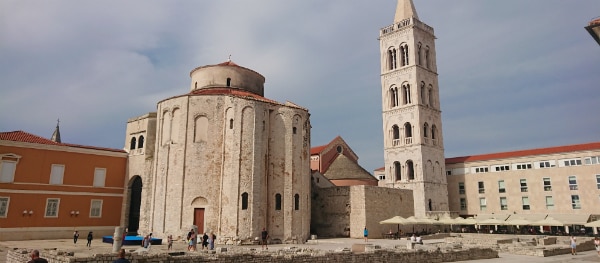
(334, 244)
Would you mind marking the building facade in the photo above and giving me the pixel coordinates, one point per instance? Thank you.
(338, 163)
(553, 180)
(49, 189)
(224, 158)
(412, 120)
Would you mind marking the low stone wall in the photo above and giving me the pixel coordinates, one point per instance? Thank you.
(286, 255)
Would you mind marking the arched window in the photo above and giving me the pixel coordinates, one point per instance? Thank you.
(196, 85)
(402, 56)
(277, 201)
(395, 135)
(132, 144)
(407, 133)
(296, 202)
(392, 59)
(410, 170)
(406, 94)
(404, 50)
(244, 201)
(425, 130)
(397, 171)
(423, 101)
(430, 96)
(230, 123)
(294, 130)
(141, 142)
(228, 82)
(433, 132)
(430, 206)
(393, 96)
(427, 56)
(419, 54)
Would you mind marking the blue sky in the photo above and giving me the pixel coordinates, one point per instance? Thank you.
(513, 74)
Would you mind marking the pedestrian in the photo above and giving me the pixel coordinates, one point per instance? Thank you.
(35, 257)
(89, 239)
(211, 241)
(366, 234)
(205, 241)
(573, 245)
(597, 245)
(264, 236)
(170, 242)
(121, 257)
(189, 239)
(75, 236)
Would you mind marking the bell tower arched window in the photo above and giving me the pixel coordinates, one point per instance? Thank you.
(419, 62)
(397, 171)
(132, 143)
(406, 94)
(393, 96)
(407, 133)
(427, 63)
(395, 135)
(410, 170)
(141, 142)
(392, 63)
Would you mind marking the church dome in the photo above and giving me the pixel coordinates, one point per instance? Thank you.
(227, 75)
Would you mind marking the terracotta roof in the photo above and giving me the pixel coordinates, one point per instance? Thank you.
(21, 136)
(529, 152)
(380, 169)
(317, 149)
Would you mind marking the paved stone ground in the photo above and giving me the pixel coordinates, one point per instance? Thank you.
(335, 244)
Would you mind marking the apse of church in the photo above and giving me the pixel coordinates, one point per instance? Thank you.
(225, 159)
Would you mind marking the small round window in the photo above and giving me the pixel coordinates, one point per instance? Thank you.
(339, 149)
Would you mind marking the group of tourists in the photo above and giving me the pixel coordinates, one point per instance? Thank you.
(90, 236)
(207, 240)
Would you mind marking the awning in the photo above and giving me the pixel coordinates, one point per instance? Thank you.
(571, 219)
(501, 217)
(528, 217)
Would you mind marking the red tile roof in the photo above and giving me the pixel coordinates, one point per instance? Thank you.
(21, 136)
(529, 152)
(320, 148)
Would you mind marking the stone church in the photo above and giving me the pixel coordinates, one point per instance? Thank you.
(221, 157)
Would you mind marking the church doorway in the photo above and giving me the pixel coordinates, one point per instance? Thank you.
(134, 206)
(199, 219)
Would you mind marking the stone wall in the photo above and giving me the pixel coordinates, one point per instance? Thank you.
(287, 255)
(344, 211)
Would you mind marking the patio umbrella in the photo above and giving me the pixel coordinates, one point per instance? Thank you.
(593, 224)
(518, 222)
(549, 221)
(397, 220)
(465, 221)
(492, 221)
(448, 221)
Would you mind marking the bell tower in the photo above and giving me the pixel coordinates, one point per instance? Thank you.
(412, 119)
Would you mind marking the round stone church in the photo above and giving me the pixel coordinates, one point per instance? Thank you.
(223, 158)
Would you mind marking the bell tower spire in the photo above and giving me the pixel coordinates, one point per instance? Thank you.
(412, 116)
(404, 10)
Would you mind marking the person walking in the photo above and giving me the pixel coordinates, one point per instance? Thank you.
(366, 234)
(264, 235)
(205, 241)
(573, 245)
(75, 236)
(35, 257)
(170, 242)
(90, 236)
(121, 257)
(211, 241)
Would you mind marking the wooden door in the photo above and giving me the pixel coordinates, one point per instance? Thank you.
(199, 219)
